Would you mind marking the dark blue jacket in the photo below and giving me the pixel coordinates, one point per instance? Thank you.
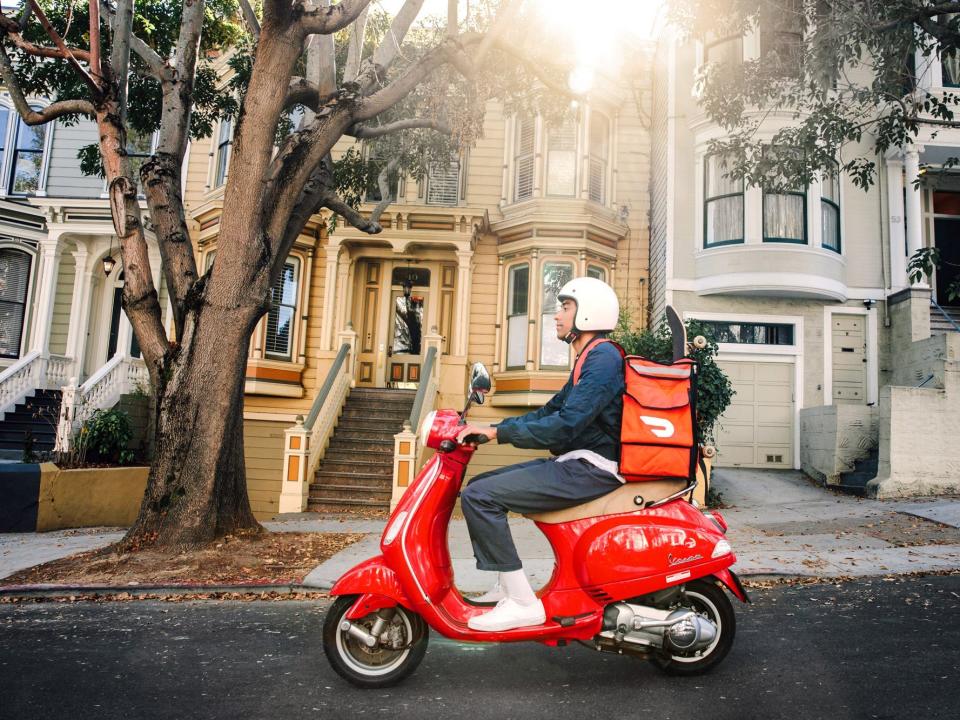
(582, 417)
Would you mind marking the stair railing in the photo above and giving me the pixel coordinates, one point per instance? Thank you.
(946, 315)
(20, 379)
(102, 390)
(406, 443)
(305, 443)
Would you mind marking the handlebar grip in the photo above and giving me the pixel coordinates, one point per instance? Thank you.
(478, 439)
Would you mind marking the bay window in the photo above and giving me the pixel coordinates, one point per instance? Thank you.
(518, 293)
(523, 159)
(14, 284)
(830, 211)
(554, 353)
(785, 209)
(724, 50)
(599, 148)
(280, 319)
(723, 203)
(562, 159)
(224, 143)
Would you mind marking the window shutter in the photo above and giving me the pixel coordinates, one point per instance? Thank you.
(524, 158)
(598, 171)
(443, 184)
(283, 297)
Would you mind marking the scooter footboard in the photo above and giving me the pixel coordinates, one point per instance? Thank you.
(375, 583)
(732, 583)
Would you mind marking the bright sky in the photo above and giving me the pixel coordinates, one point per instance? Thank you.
(592, 28)
(574, 16)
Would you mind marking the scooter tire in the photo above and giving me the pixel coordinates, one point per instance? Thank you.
(704, 596)
(350, 660)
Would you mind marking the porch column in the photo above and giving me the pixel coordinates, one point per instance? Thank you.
(329, 293)
(914, 205)
(50, 250)
(79, 309)
(343, 272)
(898, 255)
(464, 279)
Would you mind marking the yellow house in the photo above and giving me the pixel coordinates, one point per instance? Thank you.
(368, 333)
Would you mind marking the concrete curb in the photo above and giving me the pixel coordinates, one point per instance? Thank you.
(64, 591)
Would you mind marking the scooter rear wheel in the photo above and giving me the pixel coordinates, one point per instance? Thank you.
(384, 665)
(711, 601)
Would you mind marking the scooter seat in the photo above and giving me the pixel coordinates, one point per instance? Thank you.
(622, 500)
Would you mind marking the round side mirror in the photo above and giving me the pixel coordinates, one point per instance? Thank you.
(479, 379)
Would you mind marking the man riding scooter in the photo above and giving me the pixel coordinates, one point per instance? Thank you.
(580, 426)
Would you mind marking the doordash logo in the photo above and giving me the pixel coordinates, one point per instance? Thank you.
(658, 426)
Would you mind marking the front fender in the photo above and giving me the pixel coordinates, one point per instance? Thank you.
(728, 578)
(372, 578)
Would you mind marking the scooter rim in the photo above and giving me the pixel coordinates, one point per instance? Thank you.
(716, 620)
(367, 670)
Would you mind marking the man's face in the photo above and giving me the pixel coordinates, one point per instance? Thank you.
(566, 313)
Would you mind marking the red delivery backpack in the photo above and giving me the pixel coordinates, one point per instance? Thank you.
(658, 436)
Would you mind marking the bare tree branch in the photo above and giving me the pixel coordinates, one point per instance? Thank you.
(95, 67)
(355, 48)
(304, 92)
(250, 17)
(66, 51)
(335, 203)
(327, 20)
(321, 64)
(156, 65)
(383, 183)
(122, 24)
(389, 47)
(365, 133)
(45, 115)
(536, 66)
(412, 76)
(25, 16)
(12, 29)
(505, 15)
(177, 105)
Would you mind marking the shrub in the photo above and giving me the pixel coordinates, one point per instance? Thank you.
(106, 434)
(714, 390)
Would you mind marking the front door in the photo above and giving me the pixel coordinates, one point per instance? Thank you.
(947, 238)
(407, 315)
(369, 306)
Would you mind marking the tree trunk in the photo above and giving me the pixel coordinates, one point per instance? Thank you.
(197, 488)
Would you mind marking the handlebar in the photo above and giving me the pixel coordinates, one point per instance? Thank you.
(451, 445)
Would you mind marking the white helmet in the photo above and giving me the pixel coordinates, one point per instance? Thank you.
(598, 309)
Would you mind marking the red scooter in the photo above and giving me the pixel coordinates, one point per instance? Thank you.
(639, 571)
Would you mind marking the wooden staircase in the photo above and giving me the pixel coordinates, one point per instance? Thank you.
(357, 469)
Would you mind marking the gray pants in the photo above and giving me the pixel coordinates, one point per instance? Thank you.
(530, 487)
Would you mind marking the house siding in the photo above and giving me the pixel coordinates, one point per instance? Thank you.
(65, 178)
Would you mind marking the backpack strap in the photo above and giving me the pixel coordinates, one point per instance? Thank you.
(582, 357)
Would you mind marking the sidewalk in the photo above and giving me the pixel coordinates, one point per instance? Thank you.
(781, 524)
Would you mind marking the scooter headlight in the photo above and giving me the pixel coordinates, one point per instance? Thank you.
(425, 427)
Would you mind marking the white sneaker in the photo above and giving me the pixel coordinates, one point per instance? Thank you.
(509, 615)
(493, 595)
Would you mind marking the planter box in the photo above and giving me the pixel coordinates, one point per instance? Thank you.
(89, 497)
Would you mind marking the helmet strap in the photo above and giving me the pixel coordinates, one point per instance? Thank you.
(571, 336)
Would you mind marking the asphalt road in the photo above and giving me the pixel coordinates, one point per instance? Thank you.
(868, 649)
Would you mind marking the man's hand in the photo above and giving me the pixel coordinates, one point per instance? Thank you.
(490, 432)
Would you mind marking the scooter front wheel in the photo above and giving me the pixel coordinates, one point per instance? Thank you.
(401, 644)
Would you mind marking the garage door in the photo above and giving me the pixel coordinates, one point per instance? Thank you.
(757, 428)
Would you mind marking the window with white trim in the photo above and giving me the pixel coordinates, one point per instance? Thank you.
(27, 161)
(523, 159)
(597, 272)
(723, 203)
(278, 342)
(785, 209)
(443, 182)
(562, 159)
(14, 284)
(830, 211)
(224, 151)
(518, 316)
(4, 119)
(554, 352)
